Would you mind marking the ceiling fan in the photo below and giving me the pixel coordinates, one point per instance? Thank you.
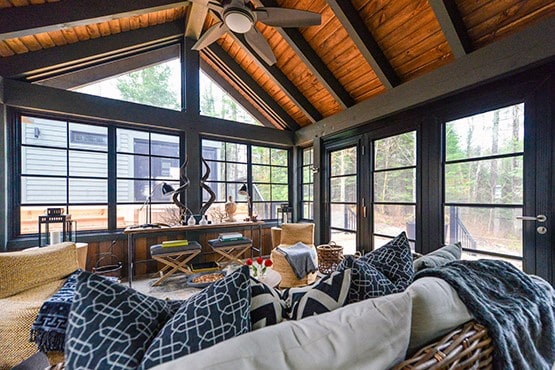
(240, 16)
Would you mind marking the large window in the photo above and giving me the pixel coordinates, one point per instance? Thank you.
(483, 183)
(65, 164)
(307, 184)
(263, 170)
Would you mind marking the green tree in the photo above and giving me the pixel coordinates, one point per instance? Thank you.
(149, 86)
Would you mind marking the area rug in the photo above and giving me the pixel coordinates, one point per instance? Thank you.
(175, 287)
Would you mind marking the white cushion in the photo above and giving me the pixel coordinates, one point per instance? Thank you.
(436, 310)
(371, 334)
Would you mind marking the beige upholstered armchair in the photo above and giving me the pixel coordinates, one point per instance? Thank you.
(287, 236)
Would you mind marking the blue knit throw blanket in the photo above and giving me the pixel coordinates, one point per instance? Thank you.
(517, 309)
(49, 329)
(301, 258)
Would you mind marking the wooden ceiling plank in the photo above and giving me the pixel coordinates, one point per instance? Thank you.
(282, 81)
(251, 87)
(452, 25)
(195, 19)
(309, 57)
(28, 20)
(365, 42)
(31, 43)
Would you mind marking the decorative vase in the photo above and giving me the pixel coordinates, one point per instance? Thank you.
(203, 220)
(191, 221)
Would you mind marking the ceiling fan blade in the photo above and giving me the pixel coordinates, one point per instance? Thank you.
(282, 17)
(260, 45)
(214, 5)
(211, 35)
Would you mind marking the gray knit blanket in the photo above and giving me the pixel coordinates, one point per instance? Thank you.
(518, 310)
(301, 258)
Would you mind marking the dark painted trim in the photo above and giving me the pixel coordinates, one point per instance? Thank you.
(523, 50)
(194, 170)
(112, 178)
(190, 80)
(309, 57)
(43, 63)
(112, 68)
(30, 20)
(365, 42)
(250, 87)
(453, 27)
(279, 78)
(3, 173)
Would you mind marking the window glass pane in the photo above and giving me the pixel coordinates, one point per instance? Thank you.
(395, 186)
(43, 132)
(380, 241)
(157, 190)
(260, 155)
(496, 132)
(133, 166)
(279, 175)
(279, 193)
(393, 219)
(43, 161)
(308, 210)
(88, 164)
(219, 189)
(307, 175)
(217, 171)
(236, 172)
(90, 217)
(166, 145)
(261, 173)
(236, 152)
(43, 190)
(88, 137)
(345, 239)
(213, 150)
(395, 151)
(262, 192)
(88, 191)
(131, 141)
(343, 162)
(128, 214)
(344, 216)
(265, 210)
(493, 181)
(343, 189)
(132, 190)
(307, 192)
(279, 157)
(307, 156)
(488, 229)
(472, 256)
(165, 168)
(233, 190)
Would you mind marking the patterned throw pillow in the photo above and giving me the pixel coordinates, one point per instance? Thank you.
(384, 271)
(219, 312)
(267, 307)
(326, 295)
(110, 326)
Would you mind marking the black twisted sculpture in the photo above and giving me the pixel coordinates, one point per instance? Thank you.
(183, 209)
(203, 185)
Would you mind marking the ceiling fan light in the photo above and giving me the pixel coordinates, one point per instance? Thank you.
(238, 21)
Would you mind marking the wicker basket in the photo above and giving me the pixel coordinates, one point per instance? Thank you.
(467, 347)
(329, 256)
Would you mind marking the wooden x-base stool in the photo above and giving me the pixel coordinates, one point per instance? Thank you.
(174, 259)
(230, 251)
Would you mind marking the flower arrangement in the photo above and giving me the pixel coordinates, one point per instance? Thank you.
(258, 267)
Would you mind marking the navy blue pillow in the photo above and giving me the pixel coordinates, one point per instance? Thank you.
(267, 307)
(110, 326)
(221, 311)
(386, 270)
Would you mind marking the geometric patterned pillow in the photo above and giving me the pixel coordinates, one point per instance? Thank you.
(110, 326)
(267, 307)
(326, 295)
(219, 312)
(386, 270)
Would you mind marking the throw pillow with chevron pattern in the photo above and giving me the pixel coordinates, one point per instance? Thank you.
(386, 270)
(326, 295)
(267, 306)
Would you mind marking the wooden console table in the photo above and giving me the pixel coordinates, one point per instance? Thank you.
(132, 233)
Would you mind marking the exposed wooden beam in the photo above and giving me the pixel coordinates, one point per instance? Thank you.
(530, 47)
(452, 25)
(365, 42)
(53, 16)
(249, 86)
(195, 19)
(81, 54)
(279, 78)
(112, 68)
(229, 89)
(309, 57)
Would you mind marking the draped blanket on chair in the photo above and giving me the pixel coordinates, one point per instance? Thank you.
(301, 258)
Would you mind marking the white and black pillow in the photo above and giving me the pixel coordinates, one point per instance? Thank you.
(328, 294)
(219, 312)
(386, 270)
(267, 307)
(110, 326)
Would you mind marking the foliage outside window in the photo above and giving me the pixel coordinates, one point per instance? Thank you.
(230, 164)
(307, 184)
(343, 198)
(394, 200)
(483, 183)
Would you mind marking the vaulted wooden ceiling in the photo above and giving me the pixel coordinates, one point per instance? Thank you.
(361, 49)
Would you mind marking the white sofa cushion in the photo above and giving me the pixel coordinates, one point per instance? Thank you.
(371, 334)
(436, 310)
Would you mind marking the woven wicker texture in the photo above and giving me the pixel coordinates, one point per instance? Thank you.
(18, 313)
(294, 233)
(467, 347)
(288, 277)
(329, 256)
(27, 269)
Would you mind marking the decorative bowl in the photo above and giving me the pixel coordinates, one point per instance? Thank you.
(203, 279)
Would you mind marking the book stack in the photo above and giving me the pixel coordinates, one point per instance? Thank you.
(230, 237)
(175, 243)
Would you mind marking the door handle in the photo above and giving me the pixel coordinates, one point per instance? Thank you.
(538, 218)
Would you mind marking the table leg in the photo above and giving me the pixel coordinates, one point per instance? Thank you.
(130, 258)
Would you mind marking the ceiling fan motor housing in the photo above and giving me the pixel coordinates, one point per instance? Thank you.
(238, 17)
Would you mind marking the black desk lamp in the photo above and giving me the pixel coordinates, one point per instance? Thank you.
(243, 190)
(166, 189)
